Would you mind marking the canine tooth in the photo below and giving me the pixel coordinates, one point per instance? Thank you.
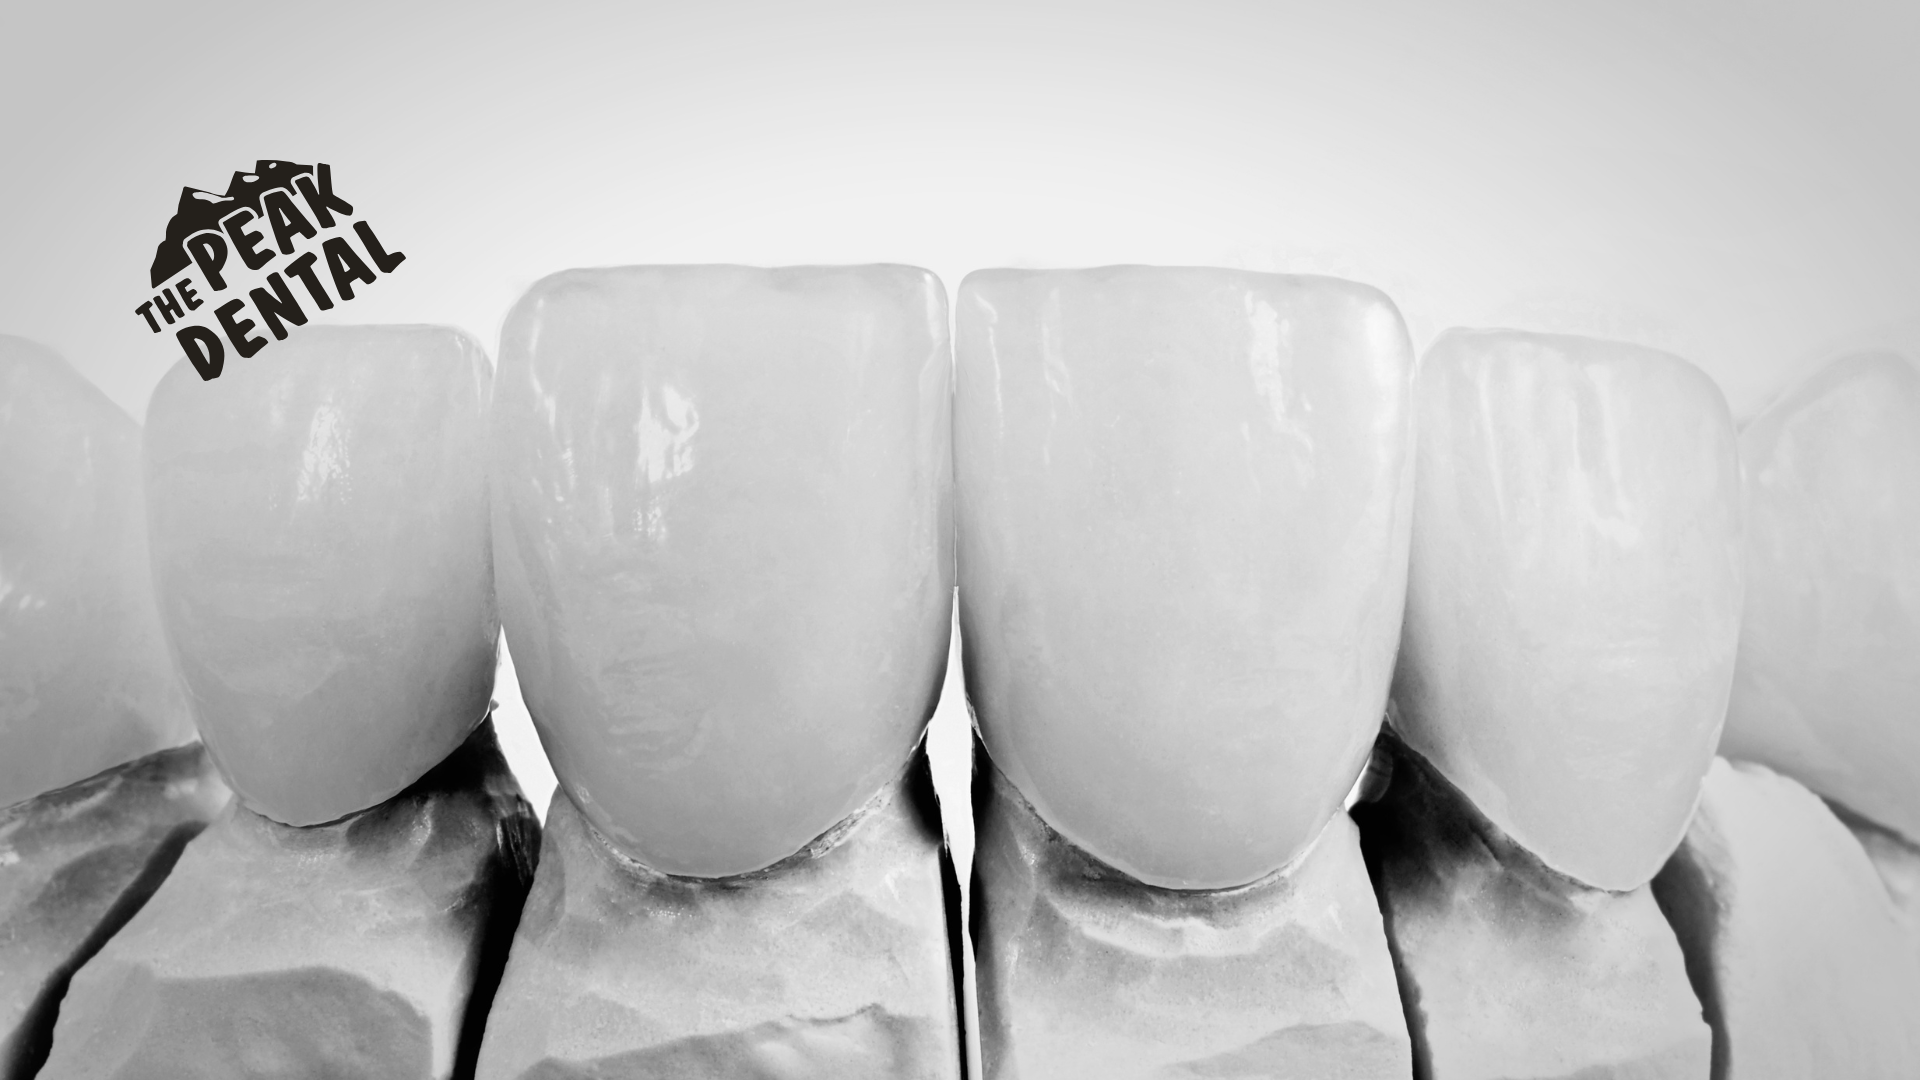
(85, 683)
(721, 510)
(322, 557)
(1827, 689)
(1574, 594)
(1183, 525)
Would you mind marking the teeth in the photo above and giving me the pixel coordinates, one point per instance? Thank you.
(84, 679)
(322, 560)
(1183, 505)
(1828, 685)
(722, 514)
(1574, 593)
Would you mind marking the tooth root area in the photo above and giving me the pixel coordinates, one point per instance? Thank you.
(322, 548)
(1574, 595)
(720, 501)
(1830, 648)
(1181, 552)
(85, 683)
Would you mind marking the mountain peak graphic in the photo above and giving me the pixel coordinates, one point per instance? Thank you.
(201, 210)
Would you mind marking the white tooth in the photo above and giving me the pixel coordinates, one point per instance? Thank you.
(1574, 594)
(1828, 684)
(322, 557)
(1791, 940)
(85, 683)
(721, 504)
(1183, 524)
(1183, 505)
(723, 522)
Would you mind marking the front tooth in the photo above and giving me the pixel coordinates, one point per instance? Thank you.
(1574, 594)
(722, 513)
(85, 683)
(1828, 684)
(1183, 509)
(322, 558)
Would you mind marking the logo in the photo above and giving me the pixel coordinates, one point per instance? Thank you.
(279, 225)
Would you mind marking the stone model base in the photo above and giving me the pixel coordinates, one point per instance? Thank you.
(1897, 860)
(1793, 941)
(75, 865)
(1084, 972)
(1511, 970)
(360, 948)
(834, 964)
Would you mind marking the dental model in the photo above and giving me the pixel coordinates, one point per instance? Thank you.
(322, 556)
(1793, 941)
(722, 521)
(1573, 605)
(1183, 499)
(85, 683)
(1828, 685)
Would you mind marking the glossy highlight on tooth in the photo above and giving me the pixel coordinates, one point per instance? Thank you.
(722, 518)
(1574, 595)
(85, 683)
(322, 559)
(1828, 684)
(1184, 499)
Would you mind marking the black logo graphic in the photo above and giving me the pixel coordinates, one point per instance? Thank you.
(280, 210)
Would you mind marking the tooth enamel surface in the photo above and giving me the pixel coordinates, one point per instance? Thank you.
(1183, 500)
(85, 683)
(722, 516)
(1574, 594)
(1828, 684)
(321, 553)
